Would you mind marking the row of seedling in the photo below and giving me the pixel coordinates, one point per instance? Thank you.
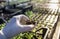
(42, 20)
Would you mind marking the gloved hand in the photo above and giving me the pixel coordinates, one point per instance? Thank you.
(16, 25)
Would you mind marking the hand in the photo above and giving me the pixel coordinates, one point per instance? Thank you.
(16, 25)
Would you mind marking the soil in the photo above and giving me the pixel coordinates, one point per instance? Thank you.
(23, 22)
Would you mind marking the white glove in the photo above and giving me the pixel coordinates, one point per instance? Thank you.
(15, 26)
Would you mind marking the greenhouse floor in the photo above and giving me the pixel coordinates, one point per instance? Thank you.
(57, 31)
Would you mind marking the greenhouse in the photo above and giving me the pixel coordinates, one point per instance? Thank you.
(29, 19)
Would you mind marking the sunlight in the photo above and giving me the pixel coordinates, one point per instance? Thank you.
(53, 4)
(55, 1)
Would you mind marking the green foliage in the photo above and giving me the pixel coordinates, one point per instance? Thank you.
(29, 14)
(2, 26)
(41, 20)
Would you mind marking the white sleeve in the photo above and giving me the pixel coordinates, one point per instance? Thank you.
(2, 36)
